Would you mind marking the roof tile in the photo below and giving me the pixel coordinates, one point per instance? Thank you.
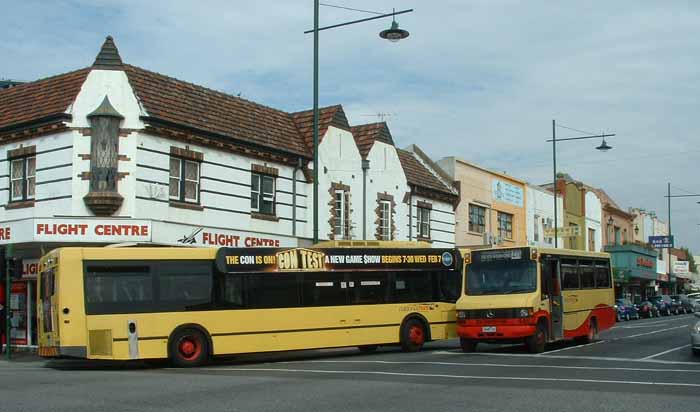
(365, 135)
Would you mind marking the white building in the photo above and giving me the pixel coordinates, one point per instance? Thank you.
(593, 233)
(540, 216)
(114, 153)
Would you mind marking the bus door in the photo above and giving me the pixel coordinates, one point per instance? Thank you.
(46, 313)
(551, 282)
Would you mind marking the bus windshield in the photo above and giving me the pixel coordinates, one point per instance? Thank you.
(499, 277)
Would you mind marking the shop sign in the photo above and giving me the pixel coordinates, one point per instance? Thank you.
(681, 268)
(644, 262)
(566, 231)
(30, 268)
(662, 277)
(507, 193)
(202, 236)
(234, 260)
(661, 242)
(99, 231)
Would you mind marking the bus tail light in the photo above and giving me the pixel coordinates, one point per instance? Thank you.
(533, 254)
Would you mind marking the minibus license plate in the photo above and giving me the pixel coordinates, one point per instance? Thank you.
(488, 329)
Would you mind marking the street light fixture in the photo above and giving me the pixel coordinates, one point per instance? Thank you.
(604, 147)
(392, 34)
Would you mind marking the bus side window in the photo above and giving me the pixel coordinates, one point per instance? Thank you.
(546, 278)
(412, 287)
(569, 275)
(586, 273)
(232, 290)
(324, 289)
(184, 285)
(602, 275)
(272, 290)
(449, 285)
(368, 288)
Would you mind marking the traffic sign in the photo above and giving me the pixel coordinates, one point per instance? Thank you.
(661, 242)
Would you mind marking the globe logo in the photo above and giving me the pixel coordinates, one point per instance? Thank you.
(447, 259)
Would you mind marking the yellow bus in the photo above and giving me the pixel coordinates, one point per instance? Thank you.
(534, 295)
(188, 304)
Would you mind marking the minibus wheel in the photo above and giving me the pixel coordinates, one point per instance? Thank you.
(537, 342)
(413, 335)
(188, 348)
(467, 345)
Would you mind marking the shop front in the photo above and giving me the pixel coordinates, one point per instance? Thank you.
(634, 271)
(33, 237)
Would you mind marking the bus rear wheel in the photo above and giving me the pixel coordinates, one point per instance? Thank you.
(188, 348)
(413, 335)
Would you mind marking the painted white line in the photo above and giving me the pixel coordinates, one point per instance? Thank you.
(639, 326)
(497, 365)
(471, 377)
(665, 352)
(571, 347)
(598, 358)
(649, 333)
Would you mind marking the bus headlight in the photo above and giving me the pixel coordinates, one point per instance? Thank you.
(523, 312)
(461, 314)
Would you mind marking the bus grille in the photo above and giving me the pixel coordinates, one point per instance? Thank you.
(100, 342)
(492, 313)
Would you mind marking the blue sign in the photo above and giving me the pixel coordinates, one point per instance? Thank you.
(661, 242)
(507, 193)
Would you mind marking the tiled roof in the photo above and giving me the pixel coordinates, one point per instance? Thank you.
(108, 58)
(327, 116)
(37, 100)
(186, 104)
(419, 175)
(365, 135)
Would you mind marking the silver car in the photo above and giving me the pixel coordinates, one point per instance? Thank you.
(696, 304)
(695, 336)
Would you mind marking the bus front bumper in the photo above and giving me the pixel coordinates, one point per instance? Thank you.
(495, 332)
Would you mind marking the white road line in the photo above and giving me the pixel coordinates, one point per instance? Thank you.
(599, 358)
(471, 377)
(665, 352)
(638, 327)
(648, 333)
(571, 347)
(499, 365)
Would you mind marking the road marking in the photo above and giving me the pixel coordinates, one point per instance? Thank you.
(471, 377)
(571, 347)
(665, 352)
(648, 333)
(538, 356)
(500, 365)
(639, 326)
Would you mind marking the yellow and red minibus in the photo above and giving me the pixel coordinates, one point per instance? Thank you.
(188, 304)
(534, 295)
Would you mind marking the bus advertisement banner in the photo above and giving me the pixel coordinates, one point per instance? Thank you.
(230, 260)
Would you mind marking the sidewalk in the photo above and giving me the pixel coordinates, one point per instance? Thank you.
(21, 355)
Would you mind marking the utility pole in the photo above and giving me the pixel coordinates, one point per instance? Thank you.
(8, 293)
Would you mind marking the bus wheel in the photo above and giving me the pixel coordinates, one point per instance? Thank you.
(413, 335)
(368, 348)
(188, 348)
(467, 345)
(537, 342)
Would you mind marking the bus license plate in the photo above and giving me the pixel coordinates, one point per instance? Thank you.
(488, 329)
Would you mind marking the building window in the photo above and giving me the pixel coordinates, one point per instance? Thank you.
(262, 193)
(573, 239)
(548, 223)
(591, 240)
(536, 222)
(423, 223)
(340, 229)
(22, 178)
(477, 219)
(505, 225)
(385, 220)
(184, 180)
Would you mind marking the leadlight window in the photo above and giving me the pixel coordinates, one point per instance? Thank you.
(385, 220)
(424, 222)
(505, 225)
(22, 178)
(262, 194)
(184, 180)
(477, 219)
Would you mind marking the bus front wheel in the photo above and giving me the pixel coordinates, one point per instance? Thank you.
(413, 335)
(538, 342)
(467, 345)
(188, 348)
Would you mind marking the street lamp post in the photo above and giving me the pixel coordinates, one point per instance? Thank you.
(604, 147)
(393, 34)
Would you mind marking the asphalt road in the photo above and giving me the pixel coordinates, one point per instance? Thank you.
(643, 365)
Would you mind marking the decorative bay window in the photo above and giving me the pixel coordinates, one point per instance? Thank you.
(103, 198)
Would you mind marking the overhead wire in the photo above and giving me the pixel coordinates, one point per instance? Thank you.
(349, 8)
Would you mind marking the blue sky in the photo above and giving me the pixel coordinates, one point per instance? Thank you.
(478, 79)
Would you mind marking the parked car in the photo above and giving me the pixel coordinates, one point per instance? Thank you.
(626, 310)
(663, 303)
(696, 304)
(695, 336)
(647, 309)
(686, 305)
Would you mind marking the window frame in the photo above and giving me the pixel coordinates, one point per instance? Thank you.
(479, 215)
(423, 222)
(261, 195)
(23, 180)
(505, 227)
(385, 212)
(339, 221)
(182, 180)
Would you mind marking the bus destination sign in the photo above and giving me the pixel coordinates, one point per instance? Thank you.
(499, 254)
(332, 259)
